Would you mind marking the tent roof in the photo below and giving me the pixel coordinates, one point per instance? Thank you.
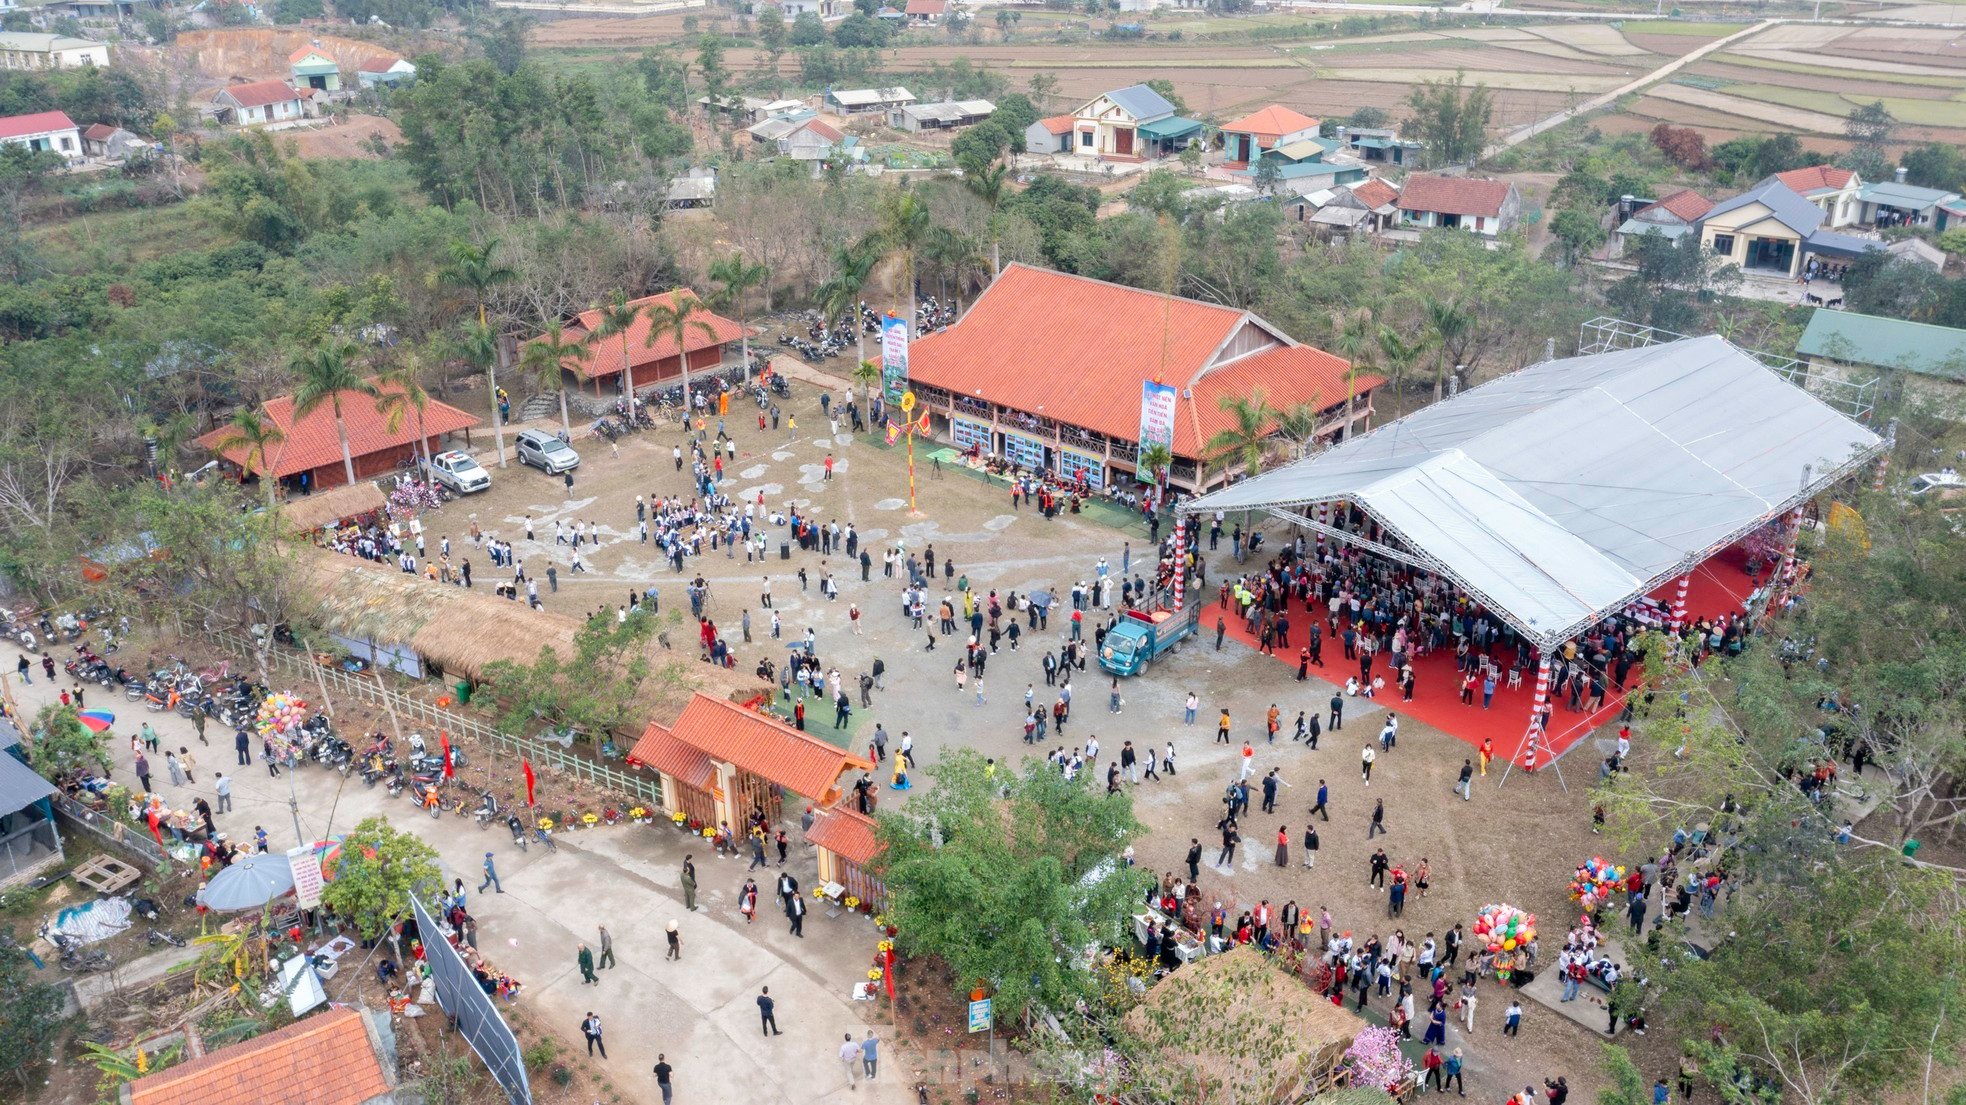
(1560, 493)
(20, 786)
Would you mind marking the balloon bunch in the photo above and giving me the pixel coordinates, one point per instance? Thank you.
(1595, 880)
(280, 713)
(1504, 927)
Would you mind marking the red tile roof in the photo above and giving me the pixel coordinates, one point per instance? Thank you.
(41, 122)
(1272, 122)
(305, 52)
(1119, 338)
(313, 443)
(1815, 178)
(847, 833)
(1685, 204)
(822, 129)
(799, 762)
(381, 64)
(1374, 193)
(659, 749)
(1287, 376)
(1057, 124)
(604, 358)
(927, 7)
(261, 93)
(98, 132)
(1453, 195)
(325, 1059)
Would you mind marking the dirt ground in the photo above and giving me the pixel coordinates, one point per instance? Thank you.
(351, 139)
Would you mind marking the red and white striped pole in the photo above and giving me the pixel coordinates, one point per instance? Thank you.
(1540, 699)
(1180, 560)
(1679, 603)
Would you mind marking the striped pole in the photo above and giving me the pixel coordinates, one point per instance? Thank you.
(1180, 560)
(1679, 603)
(1884, 457)
(1540, 699)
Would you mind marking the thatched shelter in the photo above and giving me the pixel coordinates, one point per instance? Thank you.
(331, 508)
(1238, 1027)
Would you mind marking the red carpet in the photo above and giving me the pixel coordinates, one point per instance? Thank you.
(1717, 588)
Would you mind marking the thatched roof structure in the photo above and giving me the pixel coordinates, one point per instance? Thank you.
(311, 512)
(459, 629)
(1233, 992)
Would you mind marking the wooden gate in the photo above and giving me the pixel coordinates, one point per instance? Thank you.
(696, 804)
(751, 791)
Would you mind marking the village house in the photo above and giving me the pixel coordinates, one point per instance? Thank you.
(308, 457)
(30, 841)
(1896, 203)
(1377, 144)
(385, 70)
(343, 1056)
(1834, 191)
(1771, 230)
(102, 141)
(864, 101)
(1487, 207)
(1049, 135)
(1130, 124)
(259, 102)
(45, 132)
(314, 68)
(653, 361)
(1248, 138)
(1671, 215)
(1920, 362)
(1069, 408)
(1366, 207)
(926, 13)
(32, 50)
(941, 115)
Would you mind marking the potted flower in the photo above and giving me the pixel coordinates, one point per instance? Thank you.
(886, 946)
(679, 819)
(639, 814)
(590, 820)
(873, 974)
(851, 902)
(709, 833)
(547, 823)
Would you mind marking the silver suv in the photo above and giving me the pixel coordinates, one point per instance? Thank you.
(547, 453)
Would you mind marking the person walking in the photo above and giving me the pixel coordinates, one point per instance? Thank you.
(223, 787)
(1323, 794)
(1451, 1072)
(1378, 824)
(143, 771)
(1310, 846)
(795, 910)
(850, 1059)
(663, 1071)
(1465, 788)
(1365, 760)
(607, 949)
(591, 1028)
(675, 938)
(1469, 999)
(767, 1013)
(1512, 1018)
(870, 1055)
(586, 961)
(1194, 858)
(491, 877)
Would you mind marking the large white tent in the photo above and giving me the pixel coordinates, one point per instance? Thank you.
(1560, 493)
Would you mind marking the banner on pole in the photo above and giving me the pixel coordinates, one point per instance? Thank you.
(1157, 405)
(894, 359)
(307, 877)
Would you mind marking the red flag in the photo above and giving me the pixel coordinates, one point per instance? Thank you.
(887, 975)
(526, 766)
(924, 426)
(444, 742)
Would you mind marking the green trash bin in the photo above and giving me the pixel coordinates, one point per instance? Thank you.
(464, 692)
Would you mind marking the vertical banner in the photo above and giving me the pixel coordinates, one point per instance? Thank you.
(307, 876)
(894, 359)
(1157, 403)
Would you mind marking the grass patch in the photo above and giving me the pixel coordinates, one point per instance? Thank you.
(114, 239)
(1836, 73)
(1829, 103)
(1684, 30)
(1921, 113)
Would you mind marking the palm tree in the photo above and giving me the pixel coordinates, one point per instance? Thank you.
(1398, 354)
(866, 374)
(985, 182)
(324, 375)
(1451, 325)
(256, 435)
(472, 269)
(546, 358)
(478, 345)
(739, 276)
(676, 319)
(1354, 338)
(617, 318)
(401, 393)
(1299, 424)
(853, 266)
(905, 228)
(1253, 420)
(1155, 460)
(955, 254)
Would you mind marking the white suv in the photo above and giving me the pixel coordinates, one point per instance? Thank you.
(459, 472)
(546, 452)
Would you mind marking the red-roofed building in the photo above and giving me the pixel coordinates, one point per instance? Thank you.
(654, 360)
(332, 1058)
(847, 850)
(258, 103)
(1048, 371)
(1833, 190)
(1671, 216)
(1490, 207)
(1052, 134)
(926, 12)
(43, 131)
(720, 761)
(384, 69)
(309, 456)
(1245, 139)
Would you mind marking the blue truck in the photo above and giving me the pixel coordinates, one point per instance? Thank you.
(1131, 646)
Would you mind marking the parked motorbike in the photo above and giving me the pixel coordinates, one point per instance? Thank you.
(487, 810)
(518, 828)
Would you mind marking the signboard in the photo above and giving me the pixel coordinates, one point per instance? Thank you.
(473, 1012)
(1023, 452)
(979, 1015)
(1157, 405)
(307, 877)
(970, 435)
(1070, 464)
(894, 359)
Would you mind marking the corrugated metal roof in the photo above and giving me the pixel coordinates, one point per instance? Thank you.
(1886, 343)
(1905, 195)
(1789, 209)
(1141, 102)
(20, 787)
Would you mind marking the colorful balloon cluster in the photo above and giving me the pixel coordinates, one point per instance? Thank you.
(280, 713)
(1505, 927)
(1594, 882)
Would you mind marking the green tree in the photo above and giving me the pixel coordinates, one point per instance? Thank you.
(1160, 192)
(1450, 118)
(61, 745)
(400, 394)
(986, 182)
(1166, 89)
(1399, 353)
(1450, 325)
(711, 70)
(546, 359)
(380, 867)
(981, 144)
(1670, 278)
(678, 319)
(738, 276)
(1008, 878)
(1577, 233)
(1015, 113)
(1628, 1086)
(807, 29)
(1267, 176)
(905, 227)
(30, 1019)
(1934, 165)
(593, 691)
(473, 269)
(1869, 128)
(261, 438)
(1246, 440)
(1155, 461)
(772, 34)
(617, 317)
(839, 296)
(325, 376)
